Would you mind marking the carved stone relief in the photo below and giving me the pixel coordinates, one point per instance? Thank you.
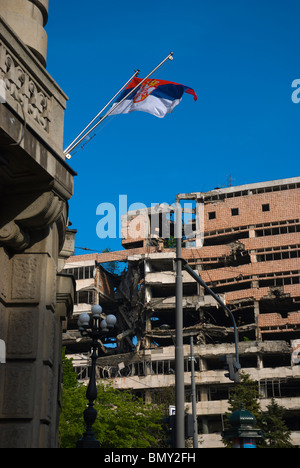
(23, 89)
(25, 278)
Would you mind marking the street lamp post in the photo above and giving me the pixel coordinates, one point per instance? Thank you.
(179, 354)
(193, 387)
(94, 327)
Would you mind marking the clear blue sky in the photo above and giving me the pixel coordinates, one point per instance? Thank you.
(240, 56)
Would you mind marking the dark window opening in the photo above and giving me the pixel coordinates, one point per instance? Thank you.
(266, 207)
(234, 211)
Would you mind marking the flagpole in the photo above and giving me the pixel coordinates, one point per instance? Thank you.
(102, 110)
(169, 57)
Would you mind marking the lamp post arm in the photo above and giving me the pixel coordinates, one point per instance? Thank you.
(219, 301)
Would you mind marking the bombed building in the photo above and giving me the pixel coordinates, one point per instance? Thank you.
(244, 242)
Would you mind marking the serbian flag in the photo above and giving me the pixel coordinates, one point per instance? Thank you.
(157, 97)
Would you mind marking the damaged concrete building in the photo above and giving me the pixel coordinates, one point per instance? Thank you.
(244, 241)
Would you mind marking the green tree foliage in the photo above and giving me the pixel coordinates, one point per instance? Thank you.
(126, 422)
(71, 425)
(246, 395)
(69, 376)
(277, 434)
(123, 421)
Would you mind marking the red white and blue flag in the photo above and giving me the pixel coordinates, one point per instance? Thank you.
(157, 97)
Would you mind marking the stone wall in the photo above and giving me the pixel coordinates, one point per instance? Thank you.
(36, 298)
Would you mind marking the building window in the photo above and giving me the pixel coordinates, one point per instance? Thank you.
(84, 297)
(211, 215)
(234, 211)
(266, 207)
(85, 272)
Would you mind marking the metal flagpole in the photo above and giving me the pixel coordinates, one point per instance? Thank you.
(169, 57)
(102, 110)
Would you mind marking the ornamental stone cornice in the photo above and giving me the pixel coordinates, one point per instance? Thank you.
(29, 161)
(36, 212)
(29, 89)
(35, 181)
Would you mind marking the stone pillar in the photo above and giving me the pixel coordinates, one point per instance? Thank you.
(35, 186)
(28, 18)
(256, 315)
(31, 325)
